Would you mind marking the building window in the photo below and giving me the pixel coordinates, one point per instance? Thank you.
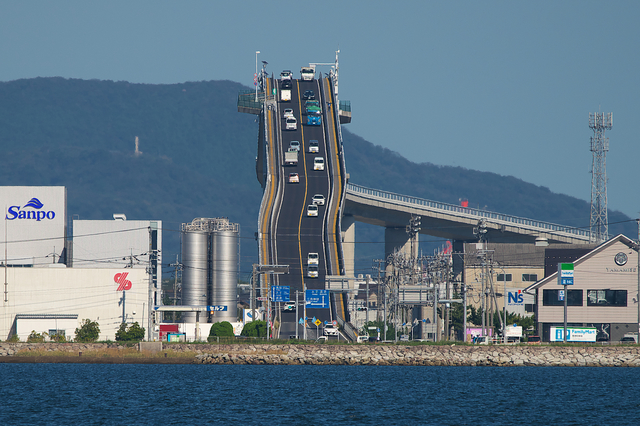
(552, 298)
(528, 307)
(529, 277)
(606, 297)
(500, 278)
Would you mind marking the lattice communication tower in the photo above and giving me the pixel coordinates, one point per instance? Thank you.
(599, 223)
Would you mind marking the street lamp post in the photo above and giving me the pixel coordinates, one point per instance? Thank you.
(255, 82)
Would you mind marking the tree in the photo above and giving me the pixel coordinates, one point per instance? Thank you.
(221, 329)
(88, 331)
(133, 333)
(255, 329)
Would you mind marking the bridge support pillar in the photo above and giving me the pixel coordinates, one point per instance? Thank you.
(396, 238)
(348, 244)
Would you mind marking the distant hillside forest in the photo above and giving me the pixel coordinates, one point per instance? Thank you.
(198, 160)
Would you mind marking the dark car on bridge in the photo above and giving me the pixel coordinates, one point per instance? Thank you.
(308, 95)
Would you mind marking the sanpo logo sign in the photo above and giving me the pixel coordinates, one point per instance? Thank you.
(30, 211)
(122, 281)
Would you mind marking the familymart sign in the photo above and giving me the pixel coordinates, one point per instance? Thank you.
(565, 273)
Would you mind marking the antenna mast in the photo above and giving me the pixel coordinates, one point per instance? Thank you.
(599, 222)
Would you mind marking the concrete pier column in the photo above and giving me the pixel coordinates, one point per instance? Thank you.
(396, 238)
(348, 244)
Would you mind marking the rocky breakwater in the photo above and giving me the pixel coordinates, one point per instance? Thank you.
(12, 349)
(428, 355)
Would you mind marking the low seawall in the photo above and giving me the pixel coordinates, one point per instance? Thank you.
(425, 355)
(250, 354)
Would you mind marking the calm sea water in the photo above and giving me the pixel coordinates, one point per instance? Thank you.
(69, 394)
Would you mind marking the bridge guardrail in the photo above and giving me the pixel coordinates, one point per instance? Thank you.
(358, 189)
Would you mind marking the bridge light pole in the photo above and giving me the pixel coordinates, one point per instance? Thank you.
(255, 82)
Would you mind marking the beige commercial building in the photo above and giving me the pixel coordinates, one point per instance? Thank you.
(604, 295)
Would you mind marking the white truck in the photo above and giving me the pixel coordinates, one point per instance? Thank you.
(291, 157)
(308, 73)
(285, 95)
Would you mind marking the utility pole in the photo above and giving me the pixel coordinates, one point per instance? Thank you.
(177, 267)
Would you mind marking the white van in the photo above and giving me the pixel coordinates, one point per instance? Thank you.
(312, 259)
(318, 163)
(292, 123)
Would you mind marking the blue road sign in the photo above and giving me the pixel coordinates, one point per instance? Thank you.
(317, 299)
(280, 293)
(216, 308)
(301, 321)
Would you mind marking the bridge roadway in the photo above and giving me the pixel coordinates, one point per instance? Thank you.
(293, 233)
(451, 221)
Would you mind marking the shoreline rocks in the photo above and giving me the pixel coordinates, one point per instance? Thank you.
(300, 354)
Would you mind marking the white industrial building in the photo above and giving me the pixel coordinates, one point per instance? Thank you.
(106, 272)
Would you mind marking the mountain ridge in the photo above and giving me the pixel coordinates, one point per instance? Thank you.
(198, 159)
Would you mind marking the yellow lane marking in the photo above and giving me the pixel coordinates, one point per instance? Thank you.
(265, 230)
(338, 169)
(335, 216)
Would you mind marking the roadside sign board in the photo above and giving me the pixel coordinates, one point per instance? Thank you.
(217, 308)
(317, 299)
(280, 293)
(335, 323)
(262, 298)
(565, 273)
(318, 322)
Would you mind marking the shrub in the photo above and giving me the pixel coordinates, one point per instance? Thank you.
(220, 329)
(14, 338)
(255, 329)
(88, 331)
(35, 337)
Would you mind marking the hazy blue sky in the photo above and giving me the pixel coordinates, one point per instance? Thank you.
(500, 86)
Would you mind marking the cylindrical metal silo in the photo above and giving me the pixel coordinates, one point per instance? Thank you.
(224, 269)
(194, 272)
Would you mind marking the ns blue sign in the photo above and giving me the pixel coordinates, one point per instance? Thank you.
(30, 211)
(515, 298)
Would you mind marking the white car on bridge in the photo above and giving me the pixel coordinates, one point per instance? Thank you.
(312, 258)
(312, 210)
(318, 199)
(292, 124)
(312, 271)
(318, 163)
